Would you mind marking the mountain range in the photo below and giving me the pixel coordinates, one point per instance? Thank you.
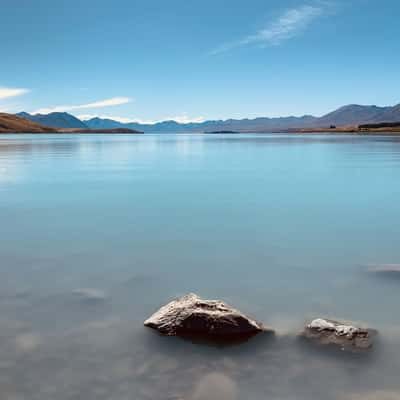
(347, 116)
(55, 120)
(11, 123)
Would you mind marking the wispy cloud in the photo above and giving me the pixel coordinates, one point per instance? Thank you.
(183, 119)
(115, 101)
(124, 120)
(288, 25)
(6, 93)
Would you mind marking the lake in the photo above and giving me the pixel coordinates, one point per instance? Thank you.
(98, 231)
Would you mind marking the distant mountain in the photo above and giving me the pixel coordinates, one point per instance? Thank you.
(165, 126)
(10, 123)
(242, 125)
(350, 115)
(55, 120)
(391, 114)
(355, 114)
(100, 123)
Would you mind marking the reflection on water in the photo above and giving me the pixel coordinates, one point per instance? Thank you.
(99, 231)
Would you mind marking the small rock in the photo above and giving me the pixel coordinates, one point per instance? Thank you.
(373, 395)
(27, 342)
(348, 337)
(387, 270)
(212, 319)
(89, 294)
(216, 386)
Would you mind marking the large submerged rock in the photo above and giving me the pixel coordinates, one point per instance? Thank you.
(191, 316)
(347, 337)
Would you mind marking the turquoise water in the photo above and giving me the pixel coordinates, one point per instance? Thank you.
(283, 227)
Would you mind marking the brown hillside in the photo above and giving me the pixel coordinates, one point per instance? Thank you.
(10, 123)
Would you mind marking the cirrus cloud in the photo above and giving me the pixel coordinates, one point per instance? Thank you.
(6, 93)
(182, 119)
(288, 25)
(114, 101)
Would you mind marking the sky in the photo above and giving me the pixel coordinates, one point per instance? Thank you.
(192, 60)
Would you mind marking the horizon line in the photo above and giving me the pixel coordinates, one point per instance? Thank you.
(184, 120)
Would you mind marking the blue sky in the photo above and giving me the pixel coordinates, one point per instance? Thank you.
(192, 60)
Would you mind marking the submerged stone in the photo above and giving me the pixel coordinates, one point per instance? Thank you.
(191, 316)
(386, 270)
(346, 336)
(89, 294)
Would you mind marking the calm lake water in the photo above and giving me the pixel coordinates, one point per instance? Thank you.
(98, 231)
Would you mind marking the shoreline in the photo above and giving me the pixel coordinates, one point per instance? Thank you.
(75, 132)
(287, 132)
(354, 131)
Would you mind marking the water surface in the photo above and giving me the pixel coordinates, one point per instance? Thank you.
(282, 227)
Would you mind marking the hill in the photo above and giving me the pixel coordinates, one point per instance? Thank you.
(10, 123)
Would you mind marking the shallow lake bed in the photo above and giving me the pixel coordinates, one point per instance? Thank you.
(100, 231)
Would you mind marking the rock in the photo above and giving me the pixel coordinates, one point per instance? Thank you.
(386, 270)
(215, 386)
(382, 394)
(192, 316)
(347, 337)
(27, 342)
(89, 294)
